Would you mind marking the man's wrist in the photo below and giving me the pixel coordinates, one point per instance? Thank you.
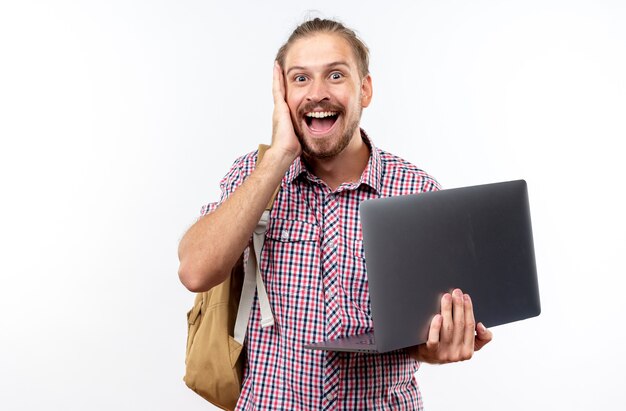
(414, 352)
(280, 158)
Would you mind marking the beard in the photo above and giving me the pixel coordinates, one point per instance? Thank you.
(328, 147)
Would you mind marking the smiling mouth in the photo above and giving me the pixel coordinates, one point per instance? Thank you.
(319, 122)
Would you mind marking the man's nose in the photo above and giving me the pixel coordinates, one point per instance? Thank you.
(318, 91)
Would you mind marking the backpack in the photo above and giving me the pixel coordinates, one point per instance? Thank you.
(218, 321)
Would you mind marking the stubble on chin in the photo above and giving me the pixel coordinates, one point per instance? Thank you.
(325, 149)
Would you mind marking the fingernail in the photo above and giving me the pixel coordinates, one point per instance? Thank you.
(482, 327)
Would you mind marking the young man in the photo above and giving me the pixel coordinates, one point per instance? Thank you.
(312, 262)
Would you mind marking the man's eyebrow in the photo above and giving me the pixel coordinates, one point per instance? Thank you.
(327, 66)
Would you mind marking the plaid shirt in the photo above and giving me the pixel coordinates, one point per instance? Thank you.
(314, 271)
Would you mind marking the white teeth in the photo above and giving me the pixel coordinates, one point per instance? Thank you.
(321, 114)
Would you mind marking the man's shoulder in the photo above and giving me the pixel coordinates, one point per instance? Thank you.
(393, 163)
(245, 163)
(248, 159)
(397, 171)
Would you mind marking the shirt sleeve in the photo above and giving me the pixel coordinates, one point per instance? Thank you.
(239, 171)
(430, 184)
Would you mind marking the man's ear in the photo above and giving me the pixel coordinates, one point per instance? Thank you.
(366, 91)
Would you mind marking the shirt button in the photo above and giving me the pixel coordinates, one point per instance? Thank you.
(284, 235)
(330, 397)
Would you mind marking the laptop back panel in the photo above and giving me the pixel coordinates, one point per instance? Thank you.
(418, 246)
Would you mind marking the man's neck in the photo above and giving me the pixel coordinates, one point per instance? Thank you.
(346, 167)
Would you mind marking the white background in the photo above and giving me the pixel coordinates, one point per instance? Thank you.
(118, 119)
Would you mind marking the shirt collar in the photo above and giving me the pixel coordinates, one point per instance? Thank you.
(296, 168)
(371, 175)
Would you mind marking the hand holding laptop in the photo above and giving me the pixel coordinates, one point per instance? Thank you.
(453, 334)
(476, 238)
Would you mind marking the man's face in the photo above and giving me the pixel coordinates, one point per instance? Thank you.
(325, 93)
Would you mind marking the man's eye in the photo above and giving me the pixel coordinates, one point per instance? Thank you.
(300, 78)
(336, 76)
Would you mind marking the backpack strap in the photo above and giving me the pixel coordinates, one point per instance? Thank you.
(252, 277)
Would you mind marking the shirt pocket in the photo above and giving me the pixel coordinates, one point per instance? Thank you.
(292, 231)
(290, 267)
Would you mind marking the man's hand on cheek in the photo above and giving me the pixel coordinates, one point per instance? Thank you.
(283, 135)
(453, 335)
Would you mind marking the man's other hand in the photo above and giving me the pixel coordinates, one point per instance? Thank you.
(454, 334)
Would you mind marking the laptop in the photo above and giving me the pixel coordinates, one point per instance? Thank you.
(419, 246)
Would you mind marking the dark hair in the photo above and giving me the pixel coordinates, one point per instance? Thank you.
(317, 25)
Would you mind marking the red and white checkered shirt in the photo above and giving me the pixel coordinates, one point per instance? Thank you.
(314, 271)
